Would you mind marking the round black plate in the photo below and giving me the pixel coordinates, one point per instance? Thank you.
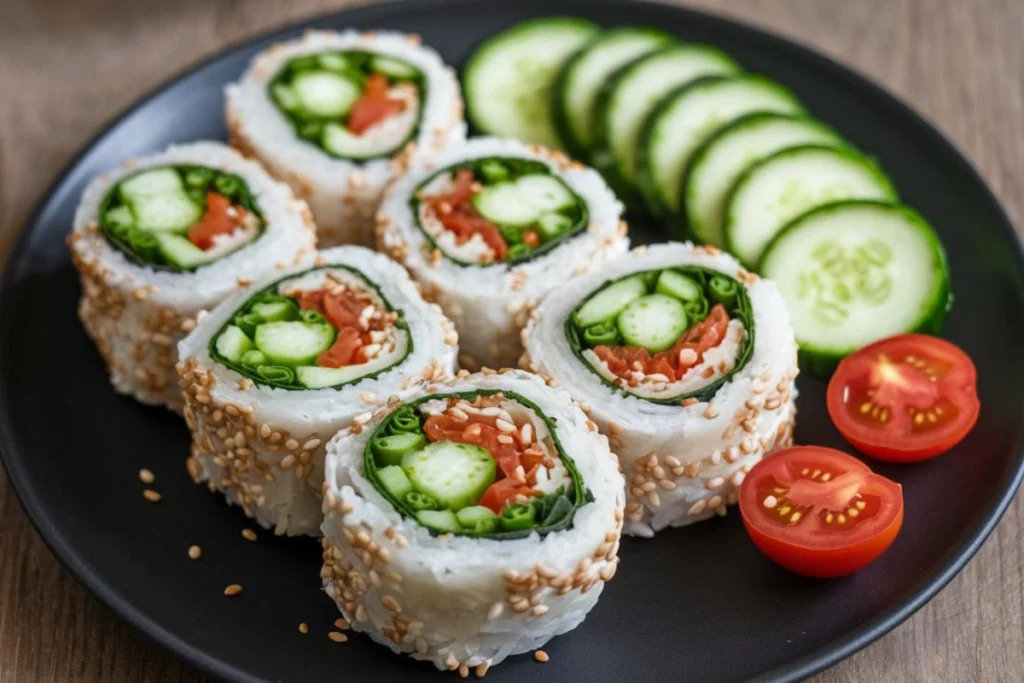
(698, 603)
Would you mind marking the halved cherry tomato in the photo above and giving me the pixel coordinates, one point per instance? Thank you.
(502, 491)
(216, 220)
(906, 398)
(373, 106)
(819, 512)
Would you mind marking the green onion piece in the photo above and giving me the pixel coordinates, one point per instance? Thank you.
(144, 245)
(312, 130)
(228, 185)
(248, 322)
(197, 196)
(606, 332)
(276, 374)
(493, 171)
(417, 500)
(517, 251)
(405, 419)
(388, 450)
(723, 290)
(512, 235)
(696, 310)
(517, 517)
(253, 359)
(311, 317)
(303, 63)
(198, 178)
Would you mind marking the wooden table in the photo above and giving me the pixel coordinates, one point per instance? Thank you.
(67, 67)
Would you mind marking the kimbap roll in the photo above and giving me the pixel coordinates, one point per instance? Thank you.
(686, 361)
(492, 226)
(271, 374)
(167, 236)
(472, 521)
(333, 114)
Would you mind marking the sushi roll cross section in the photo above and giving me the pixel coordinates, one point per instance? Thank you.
(472, 521)
(270, 375)
(489, 228)
(168, 236)
(685, 361)
(336, 114)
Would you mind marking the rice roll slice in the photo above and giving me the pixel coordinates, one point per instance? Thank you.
(271, 374)
(170, 235)
(330, 112)
(686, 362)
(490, 227)
(474, 520)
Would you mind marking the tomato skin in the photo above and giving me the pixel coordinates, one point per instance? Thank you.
(955, 384)
(502, 491)
(813, 548)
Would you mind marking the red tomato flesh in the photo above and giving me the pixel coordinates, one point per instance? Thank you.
(456, 212)
(819, 512)
(216, 220)
(373, 106)
(906, 398)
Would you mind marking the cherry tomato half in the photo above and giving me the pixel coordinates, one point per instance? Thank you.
(820, 512)
(905, 398)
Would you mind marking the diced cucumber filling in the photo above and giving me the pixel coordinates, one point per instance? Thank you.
(551, 225)
(233, 344)
(274, 309)
(454, 474)
(333, 61)
(325, 94)
(394, 481)
(120, 217)
(316, 377)
(293, 342)
(394, 68)
(675, 284)
(504, 203)
(389, 450)
(285, 97)
(178, 251)
(477, 519)
(610, 301)
(158, 181)
(654, 322)
(443, 521)
(545, 193)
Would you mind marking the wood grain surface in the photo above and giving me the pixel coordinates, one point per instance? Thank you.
(67, 67)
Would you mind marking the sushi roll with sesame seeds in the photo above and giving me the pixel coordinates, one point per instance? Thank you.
(275, 371)
(685, 361)
(167, 236)
(333, 114)
(475, 520)
(492, 226)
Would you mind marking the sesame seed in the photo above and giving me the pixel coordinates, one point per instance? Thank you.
(541, 656)
(464, 670)
(249, 534)
(233, 589)
(337, 636)
(146, 476)
(341, 624)
(195, 552)
(151, 495)
(303, 628)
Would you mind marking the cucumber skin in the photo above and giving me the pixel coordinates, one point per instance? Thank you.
(495, 42)
(559, 117)
(843, 150)
(823, 362)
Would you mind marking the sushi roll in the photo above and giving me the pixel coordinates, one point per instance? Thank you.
(475, 520)
(333, 115)
(167, 236)
(274, 372)
(685, 361)
(489, 228)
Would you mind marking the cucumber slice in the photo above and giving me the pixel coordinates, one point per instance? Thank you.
(394, 68)
(676, 128)
(715, 167)
(632, 93)
(508, 79)
(778, 188)
(316, 377)
(551, 225)
(325, 94)
(393, 480)
(253, 359)
(119, 217)
(504, 203)
(294, 343)
(454, 474)
(493, 171)
(232, 343)
(333, 61)
(439, 520)
(579, 82)
(285, 97)
(339, 141)
(477, 519)
(178, 251)
(276, 309)
(545, 192)
(675, 284)
(149, 183)
(654, 322)
(389, 450)
(856, 272)
(610, 301)
(159, 202)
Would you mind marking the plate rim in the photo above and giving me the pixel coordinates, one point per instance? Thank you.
(814, 662)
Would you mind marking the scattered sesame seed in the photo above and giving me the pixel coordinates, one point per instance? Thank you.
(303, 628)
(249, 534)
(337, 636)
(541, 656)
(233, 589)
(195, 552)
(341, 624)
(151, 495)
(146, 477)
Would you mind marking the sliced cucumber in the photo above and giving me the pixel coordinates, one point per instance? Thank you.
(580, 80)
(154, 182)
(778, 188)
(333, 61)
(504, 203)
(654, 322)
(477, 519)
(253, 359)
(159, 201)
(394, 68)
(316, 377)
(632, 93)
(454, 474)
(676, 128)
(855, 272)
(439, 520)
(294, 342)
(232, 343)
(325, 94)
(393, 480)
(339, 141)
(285, 97)
(610, 301)
(507, 82)
(675, 284)
(545, 192)
(551, 225)
(715, 167)
(389, 450)
(119, 217)
(276, 309)
(178, 251)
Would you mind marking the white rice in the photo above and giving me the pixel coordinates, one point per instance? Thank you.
(489, 304)
(342, 194)
(694, 456)
(136, 315)
(457, 600)
(263, 447)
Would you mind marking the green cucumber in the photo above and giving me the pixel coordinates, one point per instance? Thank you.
(855, 272)
(389, 450)
(609, 301)
(581, 78)
(551, 225)
(232, 343)
(294, 342)
(675, 284)
(285, 97)
(316, 377)
(392, 478)
(684, 119)
(507, 81)
(333, 61)
(778, 188)
(178, 251)
(152, 182)
(443, 521)
(159, 202)
(454, 474)
(503, 203)
(723, 157)
(273, 309)
(253, 359)
(545, 192)
(119, 217)
(654, 322)
(477, 519)
(394, 68)
(325, 94)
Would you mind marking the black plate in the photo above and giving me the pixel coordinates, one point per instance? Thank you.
(698, 603)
